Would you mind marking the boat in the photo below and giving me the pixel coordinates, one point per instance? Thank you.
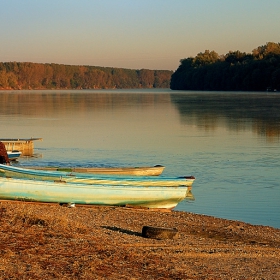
(80, 188)
(14, 155)
(136, 171)
(73, 177)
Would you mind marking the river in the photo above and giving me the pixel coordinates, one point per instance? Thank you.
(230, 141)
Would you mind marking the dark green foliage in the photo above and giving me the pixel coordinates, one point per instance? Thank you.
(235, 71)
(26, 75)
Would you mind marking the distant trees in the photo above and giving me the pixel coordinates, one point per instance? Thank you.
(26, 75)
(206, 58)
(236, 71)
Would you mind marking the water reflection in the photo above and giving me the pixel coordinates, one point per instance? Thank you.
(49, 103)
(189, 195)
(257, 112)
(237, 111)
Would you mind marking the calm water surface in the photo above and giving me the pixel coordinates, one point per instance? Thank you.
(229, 141)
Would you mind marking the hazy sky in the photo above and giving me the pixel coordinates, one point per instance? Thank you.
(136, 34)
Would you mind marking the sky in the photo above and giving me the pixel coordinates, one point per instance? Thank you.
(134, 34)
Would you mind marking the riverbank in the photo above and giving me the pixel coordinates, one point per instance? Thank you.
(54, 242)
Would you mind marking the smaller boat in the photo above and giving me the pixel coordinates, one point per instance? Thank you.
(135, 171)
(14, 155)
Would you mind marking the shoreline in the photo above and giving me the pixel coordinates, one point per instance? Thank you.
(100, 242)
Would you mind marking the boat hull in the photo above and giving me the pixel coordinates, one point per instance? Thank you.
(135, 171)
(97, 194)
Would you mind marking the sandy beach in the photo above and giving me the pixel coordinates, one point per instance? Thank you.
(48, 241)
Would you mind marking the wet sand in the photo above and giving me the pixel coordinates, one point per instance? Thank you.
(48, 241)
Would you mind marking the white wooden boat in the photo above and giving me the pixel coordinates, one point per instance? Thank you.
(14, 155)
(136, 171)
(66, 187)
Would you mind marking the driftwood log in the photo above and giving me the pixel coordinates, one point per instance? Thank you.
(159, 232)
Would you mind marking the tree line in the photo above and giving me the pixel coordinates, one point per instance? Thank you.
(27, 75)
(235, 71)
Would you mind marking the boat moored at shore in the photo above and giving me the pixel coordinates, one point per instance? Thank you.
(67, 187)
(14, 155)
(136, 171)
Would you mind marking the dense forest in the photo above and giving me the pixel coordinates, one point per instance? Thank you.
(235, 71)
(26, 75)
